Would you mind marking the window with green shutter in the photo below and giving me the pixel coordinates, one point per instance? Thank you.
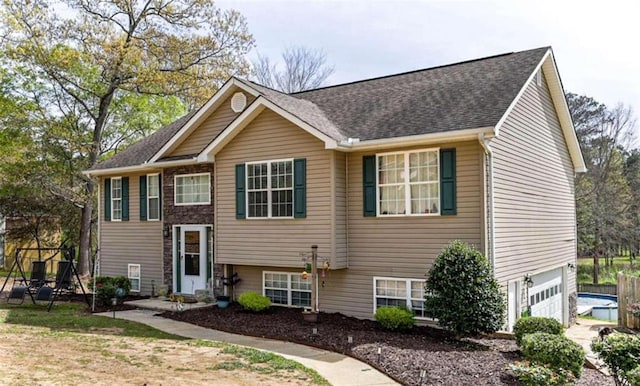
(416, 182)
(271, 189)
(107, 199)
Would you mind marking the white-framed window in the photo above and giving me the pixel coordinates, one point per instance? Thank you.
(133, 273)
(153, 197)
(400, 292)
(538, 78)
(270, 189)
(408, 183)
(192, 189)
(116, 198)
(286, 288)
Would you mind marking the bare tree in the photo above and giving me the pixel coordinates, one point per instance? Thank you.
(304, 69)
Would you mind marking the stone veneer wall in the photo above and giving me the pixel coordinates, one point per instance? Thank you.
(180, 215)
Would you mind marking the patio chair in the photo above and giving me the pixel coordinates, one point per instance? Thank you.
(38, 276)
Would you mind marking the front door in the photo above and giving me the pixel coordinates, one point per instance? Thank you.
(192, 264)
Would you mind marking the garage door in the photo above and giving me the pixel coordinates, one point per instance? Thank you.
(545, 296)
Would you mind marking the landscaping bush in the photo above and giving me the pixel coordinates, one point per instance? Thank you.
(462, 293)
(530, 374)
(554, 351)
(633, 376)
(254, 302)
(621, 354)
(532, 324)
(106, 288)
(395, 318)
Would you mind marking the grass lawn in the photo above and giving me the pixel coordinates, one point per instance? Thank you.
(608, 275)
(33, 342)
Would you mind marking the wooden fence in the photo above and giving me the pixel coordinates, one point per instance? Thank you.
(628, 293)
(609, 289)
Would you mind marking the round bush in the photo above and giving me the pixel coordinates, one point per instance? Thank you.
(554, 351)
(462, 292)
(395, 318)
(532, 324)
(106, 288)
(254, 302)
(621, 354)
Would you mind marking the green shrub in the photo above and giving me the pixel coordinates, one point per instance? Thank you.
(254, 302)
(462, 292)
(621, 354)
(535, 375)
(554, 351)
(532, 324)
(395, 318)
(633, 376)
(106, 288)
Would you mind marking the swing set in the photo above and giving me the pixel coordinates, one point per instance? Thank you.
(38, 286)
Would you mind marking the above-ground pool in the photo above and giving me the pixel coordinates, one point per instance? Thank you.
(600, 306)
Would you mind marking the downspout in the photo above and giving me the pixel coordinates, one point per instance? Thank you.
(485, 142)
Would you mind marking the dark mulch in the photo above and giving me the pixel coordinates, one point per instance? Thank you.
(121, 306)
(426, 351)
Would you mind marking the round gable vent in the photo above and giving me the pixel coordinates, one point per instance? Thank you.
(238, 102)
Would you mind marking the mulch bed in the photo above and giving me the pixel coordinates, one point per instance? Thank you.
(422, 356)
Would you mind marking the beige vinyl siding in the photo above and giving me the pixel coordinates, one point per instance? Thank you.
(131, 242)
(209, 129)
(534, 203)
(339, 226)
(403, 247)
(273, 242)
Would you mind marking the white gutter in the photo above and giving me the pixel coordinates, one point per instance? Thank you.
(354, 144)
(485, 142)
(139, 168)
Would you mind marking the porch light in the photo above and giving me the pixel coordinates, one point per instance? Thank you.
(166, 231)
(572, 267)
(528, 280)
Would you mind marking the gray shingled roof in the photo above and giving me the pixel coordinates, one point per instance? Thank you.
(303, 109)
(459, 96)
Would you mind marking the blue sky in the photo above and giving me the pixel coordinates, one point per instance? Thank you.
(596, 44)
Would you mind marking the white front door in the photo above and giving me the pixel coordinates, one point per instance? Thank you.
(193, 259)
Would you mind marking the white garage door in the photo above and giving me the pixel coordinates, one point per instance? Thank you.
(545, 297)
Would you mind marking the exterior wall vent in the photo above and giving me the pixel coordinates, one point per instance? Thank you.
(238, 102)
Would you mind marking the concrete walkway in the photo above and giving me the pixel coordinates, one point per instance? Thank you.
(583, 333)
(336, 368)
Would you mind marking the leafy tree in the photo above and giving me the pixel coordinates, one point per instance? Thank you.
(82, 63)
(604, 197)
(304, 69)
(462, 292)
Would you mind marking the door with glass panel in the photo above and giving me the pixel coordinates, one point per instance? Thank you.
(193, 258)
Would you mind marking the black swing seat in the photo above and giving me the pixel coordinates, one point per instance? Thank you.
(16, 296)
(44, 293)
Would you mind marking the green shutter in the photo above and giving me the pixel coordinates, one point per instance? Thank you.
(159, 196)
(369, 185)
(241, 202)
(125, 198)
(448, 181)
(300, 188)
(107, 199)
(143, 198)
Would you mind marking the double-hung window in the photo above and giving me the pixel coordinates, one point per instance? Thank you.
(408, 183)
(193, 189)
(116, 199)
(153, 196)
(397, 292)
(288, 289)
(134, 276)
(270, 189)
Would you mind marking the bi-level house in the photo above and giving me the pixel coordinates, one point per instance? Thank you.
(381, 174)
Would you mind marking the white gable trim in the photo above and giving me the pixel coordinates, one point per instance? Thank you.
(212, 104)
(548, 66)
(248, 115)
